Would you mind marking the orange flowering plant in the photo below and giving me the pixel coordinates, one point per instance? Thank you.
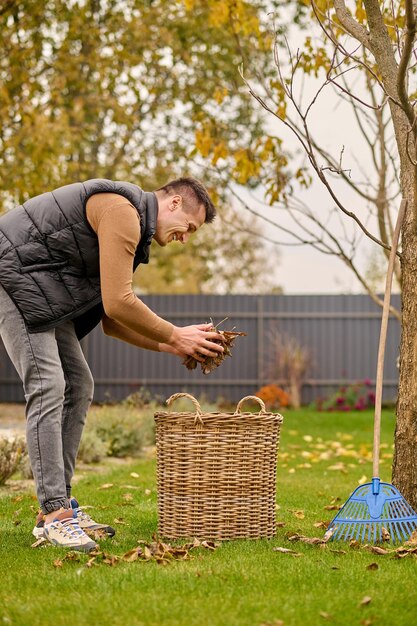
(273, 396)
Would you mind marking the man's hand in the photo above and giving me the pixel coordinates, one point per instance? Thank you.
(194, 341)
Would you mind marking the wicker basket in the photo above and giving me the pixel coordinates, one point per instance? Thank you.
(217, 472)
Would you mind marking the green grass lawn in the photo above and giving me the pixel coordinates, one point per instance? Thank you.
(244, 583)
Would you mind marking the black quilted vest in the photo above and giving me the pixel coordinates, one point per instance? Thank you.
(49, 256)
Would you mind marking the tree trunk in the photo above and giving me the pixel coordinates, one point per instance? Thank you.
(404, 473)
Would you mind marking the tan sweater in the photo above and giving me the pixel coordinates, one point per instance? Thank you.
(116, 222)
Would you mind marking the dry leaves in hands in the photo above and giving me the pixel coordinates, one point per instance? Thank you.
(210, 363)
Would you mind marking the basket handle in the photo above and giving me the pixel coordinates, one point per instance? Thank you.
(258, 400)
(175, 396)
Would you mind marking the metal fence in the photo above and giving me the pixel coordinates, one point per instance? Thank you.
(341, 333)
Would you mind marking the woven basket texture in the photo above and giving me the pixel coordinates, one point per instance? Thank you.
(216, 472)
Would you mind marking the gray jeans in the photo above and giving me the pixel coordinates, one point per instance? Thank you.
(58, 388)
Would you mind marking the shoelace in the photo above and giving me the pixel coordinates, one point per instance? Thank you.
(69, 528)
(83, 517)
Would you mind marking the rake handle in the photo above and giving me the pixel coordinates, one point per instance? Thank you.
(383, 338)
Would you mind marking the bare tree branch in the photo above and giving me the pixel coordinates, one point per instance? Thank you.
(320, 245)
(353, 27)
(407, 50)
(307, 145)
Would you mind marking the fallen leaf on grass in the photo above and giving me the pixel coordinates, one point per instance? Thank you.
(120, 520)
(131, 555)
(102, 557)
(376, 549)
(321, 524)
(298, 514)
(332, 507)
(73, 555)
(303, 539)
(156, 551)
(341, 467)
(372, 567)
(127, 497)
(134, 475)
(365, 601)
(385, 534)
(58, 563)
(326, 615)
(211, 545)
(163, 553)
(287, 551)
(276, 622)
(40, 542)
(404, 551)
(96, 534)
(280, 524)
(106, 486)
(412, 539)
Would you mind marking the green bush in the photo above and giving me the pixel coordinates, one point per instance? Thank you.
(118, 427)
(123, 429)
(147, 425)
(11, 453)
(92, 448)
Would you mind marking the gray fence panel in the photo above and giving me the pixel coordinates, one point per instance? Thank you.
(340, 331)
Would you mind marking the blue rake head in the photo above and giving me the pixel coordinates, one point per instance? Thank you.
(370, 509)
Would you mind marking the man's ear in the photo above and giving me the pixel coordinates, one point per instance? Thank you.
(175, 202)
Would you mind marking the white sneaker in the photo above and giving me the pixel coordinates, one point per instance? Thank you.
(85, 522)
(65, 532)
(88, 524)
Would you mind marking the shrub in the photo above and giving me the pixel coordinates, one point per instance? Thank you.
(288, 362)
(25, 468)
(356, 397)
(11, 452)
(273, 396)
(92, 448)
(118, 427)
(146, 425)
(138, 399)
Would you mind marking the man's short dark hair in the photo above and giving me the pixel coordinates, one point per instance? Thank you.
(192, 192)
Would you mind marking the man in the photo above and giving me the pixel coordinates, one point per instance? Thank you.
(66, 263)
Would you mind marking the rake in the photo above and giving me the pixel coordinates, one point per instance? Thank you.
(377, 511)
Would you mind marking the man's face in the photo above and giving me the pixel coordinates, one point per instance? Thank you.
(174, 224)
